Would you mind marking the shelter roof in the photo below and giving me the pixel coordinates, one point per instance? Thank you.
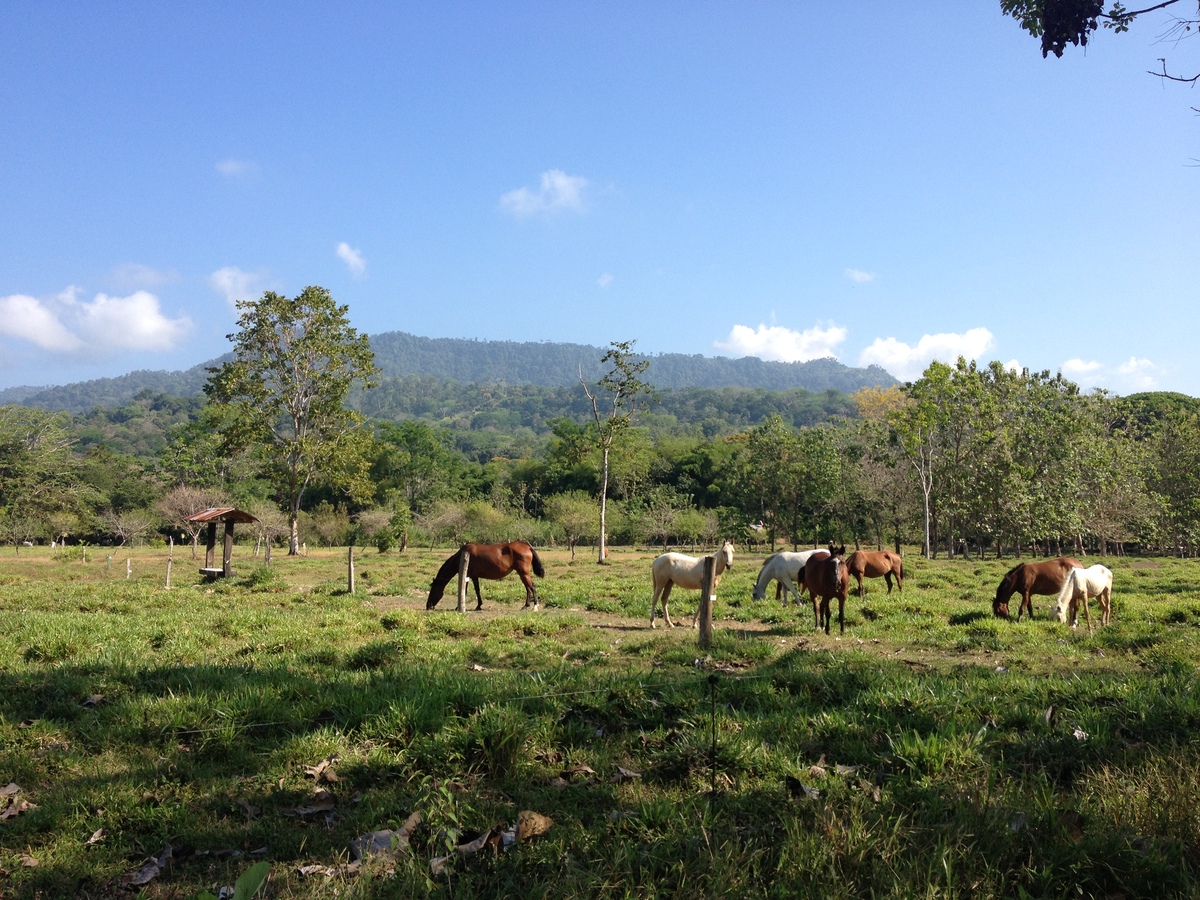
(221, 514)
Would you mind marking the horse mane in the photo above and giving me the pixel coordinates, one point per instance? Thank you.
(449, 568)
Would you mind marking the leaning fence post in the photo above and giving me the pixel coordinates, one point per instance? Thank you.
(128, 568)
(706, 602)
(464, 563)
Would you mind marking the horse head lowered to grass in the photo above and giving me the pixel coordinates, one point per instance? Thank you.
(1079, 585)
(1044, 578)
(672, 569)
(787, 569)
(493, 562)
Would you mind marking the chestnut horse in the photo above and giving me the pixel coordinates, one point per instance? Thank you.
(493, 562)
(873, 564)
(672, 569)
(1032, 578)
(826, 578)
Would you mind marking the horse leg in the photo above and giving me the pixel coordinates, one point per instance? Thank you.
(1087, 612)
(478, 595)
(1025, 604)
(825, 613)
(842, 613)
(530, 589)
(887, 576)
(861, 589)
(666, 593)
(654, 603)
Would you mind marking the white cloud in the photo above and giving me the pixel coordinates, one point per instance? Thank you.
(1139, 374)
(1131, 376)
(63, 324)
(28, 319)
(237, 168)
(779, 344)
(352, 258)
(559, 192)
(1078, 368)
(129, 323)
(858, 276)
(907, 362)
(235, 285)
(136, 275)
(605, 280)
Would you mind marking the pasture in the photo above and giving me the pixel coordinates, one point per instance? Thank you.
(930, 751)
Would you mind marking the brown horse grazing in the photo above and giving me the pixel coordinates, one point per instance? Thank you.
(1044, 578)
(873, 564)
(827, 578)
(493, 562)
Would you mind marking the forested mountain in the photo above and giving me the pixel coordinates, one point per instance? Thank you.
(399, 354)
(555, 364)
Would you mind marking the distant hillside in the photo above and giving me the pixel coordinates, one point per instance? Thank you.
(554, 364)
(399, 354)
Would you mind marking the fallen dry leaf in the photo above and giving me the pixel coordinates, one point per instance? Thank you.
(798, 788)
(322, 771)
(150, 870)
(16, 808)
(530, 824)
(308, 871)
(818, 770)
(321, 805)
(93, 701)
(10, 789)
(385, 841)
(624, 774)
(29, 862)
(248, 809)
(97, 837)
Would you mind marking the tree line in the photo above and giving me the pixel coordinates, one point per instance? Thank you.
(966, 459)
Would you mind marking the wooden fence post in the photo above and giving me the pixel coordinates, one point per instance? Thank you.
(170, 558)
(350, 569)
(706, 602)
(464, 562)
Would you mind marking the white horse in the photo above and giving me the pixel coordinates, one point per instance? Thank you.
(1080, 584)
(672, 569)
(786, 568)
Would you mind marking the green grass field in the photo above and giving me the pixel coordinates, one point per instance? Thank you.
(931, 751)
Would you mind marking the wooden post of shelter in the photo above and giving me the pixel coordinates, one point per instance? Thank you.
(464, 563)
(706, 601)
(210, 546)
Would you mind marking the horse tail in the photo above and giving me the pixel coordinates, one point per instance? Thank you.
(538, 569)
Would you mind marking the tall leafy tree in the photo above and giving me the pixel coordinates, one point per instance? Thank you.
(621, 393)
(39, 477)
(283, 395)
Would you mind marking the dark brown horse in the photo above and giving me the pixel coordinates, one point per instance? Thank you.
(1044, 578)
(493, 562)
(873, 564)
(827, 578)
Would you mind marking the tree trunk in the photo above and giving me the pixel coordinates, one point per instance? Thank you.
(603, 542)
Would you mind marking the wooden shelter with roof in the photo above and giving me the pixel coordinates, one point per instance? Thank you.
(211, 517)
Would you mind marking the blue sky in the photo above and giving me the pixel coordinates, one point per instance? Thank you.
(880, 183)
